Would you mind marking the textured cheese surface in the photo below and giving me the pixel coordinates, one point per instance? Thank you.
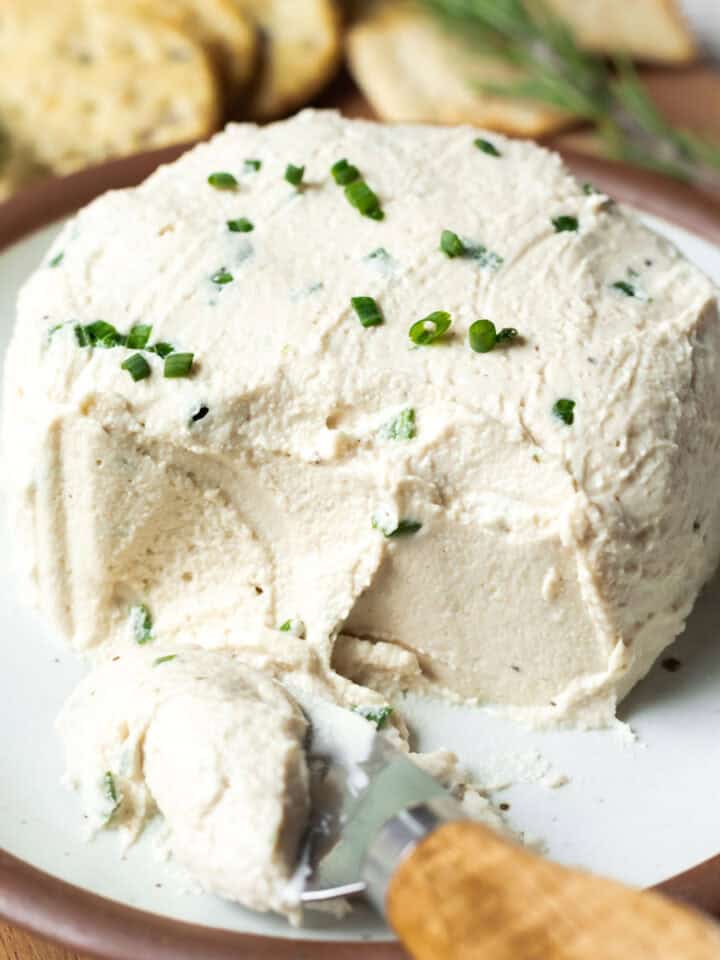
(554, 561)
(215, 746)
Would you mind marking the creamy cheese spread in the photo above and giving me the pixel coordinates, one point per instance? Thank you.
(216, 746)
(520, 513)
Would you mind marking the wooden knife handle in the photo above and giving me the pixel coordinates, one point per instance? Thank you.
(465, 893)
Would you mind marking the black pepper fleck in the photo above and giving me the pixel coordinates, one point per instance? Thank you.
(201, 412)
(504, 806)
(671, 664)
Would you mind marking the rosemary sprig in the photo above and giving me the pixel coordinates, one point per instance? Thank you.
(558, 73)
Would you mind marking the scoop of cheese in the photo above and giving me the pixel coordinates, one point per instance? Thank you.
(311, 469)
(215, 746)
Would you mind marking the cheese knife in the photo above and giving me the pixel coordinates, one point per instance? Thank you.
(453, 889)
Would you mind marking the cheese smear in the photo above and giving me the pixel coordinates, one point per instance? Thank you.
(526, 527)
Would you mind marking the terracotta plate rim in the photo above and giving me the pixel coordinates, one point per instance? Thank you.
(99, 927)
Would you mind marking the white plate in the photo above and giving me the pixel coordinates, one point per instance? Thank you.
(635, 811)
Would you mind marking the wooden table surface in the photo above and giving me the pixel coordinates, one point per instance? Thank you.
(690, 96)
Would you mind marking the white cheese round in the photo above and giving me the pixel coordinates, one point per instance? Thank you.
(546, 563)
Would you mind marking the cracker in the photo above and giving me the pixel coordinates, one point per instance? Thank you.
(413, 71)
(301, 53)
(80, 82)
(225, 32)
(652, 30)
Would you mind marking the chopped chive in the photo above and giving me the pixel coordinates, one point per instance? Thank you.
(344, 173)
(222, 277)
(487, 147)
(162, 349)
(589, 189)
(564, 410)
(241, 225)
(222, 181)
(485, 257)
(565, 224)
(82, 336)
(364, 199)
(167, 659)
(294, 175)
(137, 366)
(482, 336)
(252, 165)
(110, 788)
(377, 715)
(103, 334)
(403, 529)
(401, 427)
(451, 244)
(178, 365)
(141, 623)
(367, 311)
(294, 626)
(627, 288)
(138, 337)
(57, 259)
(406, 527)
(430, 328)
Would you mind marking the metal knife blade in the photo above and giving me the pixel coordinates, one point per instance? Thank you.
(360, 781)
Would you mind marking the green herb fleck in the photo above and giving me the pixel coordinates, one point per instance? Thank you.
(162, 349)
(367, 311)
(241, 225)
(485, 257)
(81, 335)
(137, 366)
(564, 410)
(104, 335)
(178, 365)
(360, 196)
(589, 189)
(222, 181)
(379, 254)
(139, 336)
(487, 147)
(565, 224)
(428, 330)
(57, 259)
(344, 173)
(252, 166)
(294, 626)
(294, 175)
(221, 277)
(377, 715)
(484, 336)
(403, 528)
(167, 659)
(451, 244)
(627, 288)
(141, 623)
(110, 788)
(401, 427)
